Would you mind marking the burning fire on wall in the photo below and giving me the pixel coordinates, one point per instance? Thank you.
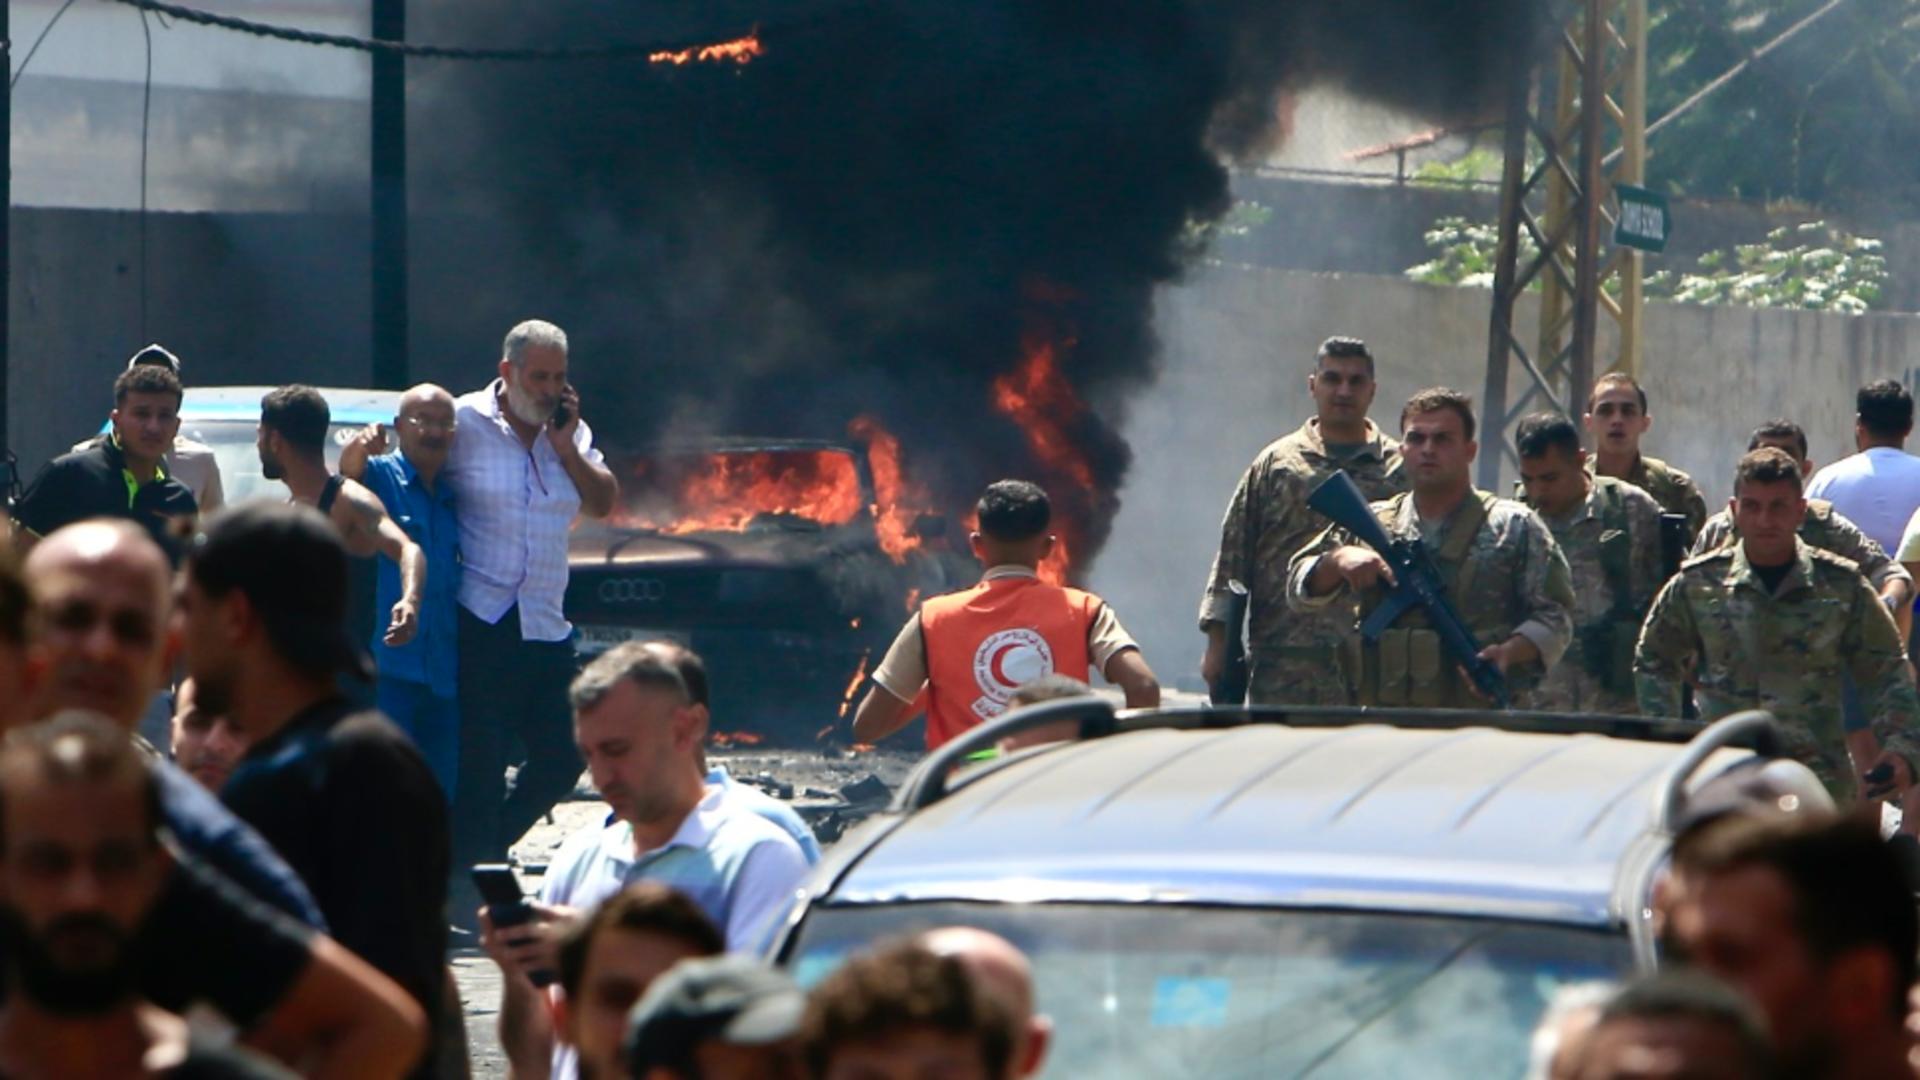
(739, 51)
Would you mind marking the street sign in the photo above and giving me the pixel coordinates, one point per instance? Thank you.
(1644, 221)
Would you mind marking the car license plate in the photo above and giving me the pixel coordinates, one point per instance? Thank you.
(595, 640)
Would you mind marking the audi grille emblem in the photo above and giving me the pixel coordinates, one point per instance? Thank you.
(633, 590)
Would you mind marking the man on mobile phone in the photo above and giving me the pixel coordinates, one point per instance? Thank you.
(520, 473)
(641, 734)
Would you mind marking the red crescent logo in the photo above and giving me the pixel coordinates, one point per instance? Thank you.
(996, 665)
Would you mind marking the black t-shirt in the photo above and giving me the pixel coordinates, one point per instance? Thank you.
(349, 803)
(206, 940)
(92, 483)
(1772, 576)
(205, 1061)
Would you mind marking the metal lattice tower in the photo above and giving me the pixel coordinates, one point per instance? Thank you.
(1576, 125)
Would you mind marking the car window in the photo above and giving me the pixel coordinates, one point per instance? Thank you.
(234, 446)
(732, 490)
(1178, 991)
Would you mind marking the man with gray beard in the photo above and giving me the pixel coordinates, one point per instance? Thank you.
(523, 467)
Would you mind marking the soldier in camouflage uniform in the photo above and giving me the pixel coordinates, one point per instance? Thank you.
(1772, 623)
(1617, 417)
(1609, 532)
(1500, 567)
(1293, 657)
(1823, 527)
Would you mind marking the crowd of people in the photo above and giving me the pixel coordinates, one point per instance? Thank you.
(278, 888)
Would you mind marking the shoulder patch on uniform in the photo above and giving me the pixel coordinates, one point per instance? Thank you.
(1822, 555)
(1704, 558)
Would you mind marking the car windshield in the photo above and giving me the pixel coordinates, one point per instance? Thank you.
(234, 443)
(732, 490)
(1223, 993)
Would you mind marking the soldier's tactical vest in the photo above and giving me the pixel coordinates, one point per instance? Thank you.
(1408, 665)
(985, 642)
(1606, 647)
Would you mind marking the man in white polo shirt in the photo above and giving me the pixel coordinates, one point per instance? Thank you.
(522, 469)
(641, 733)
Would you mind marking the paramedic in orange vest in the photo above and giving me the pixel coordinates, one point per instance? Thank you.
(970, 650)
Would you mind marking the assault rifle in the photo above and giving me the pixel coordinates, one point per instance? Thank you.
(1673, 544)
(1416, 583)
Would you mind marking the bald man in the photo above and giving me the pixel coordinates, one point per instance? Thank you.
(419, 679)
(1002, 973)
(99, 637)
(102, 641)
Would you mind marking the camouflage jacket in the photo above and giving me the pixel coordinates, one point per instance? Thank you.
(1507, 578)
(1783, 651)
(1674, 490)
(1271, 500)
(1825, 528)
(1612, 546)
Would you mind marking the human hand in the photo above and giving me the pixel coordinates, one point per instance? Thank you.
(527, 947)
(1360, 567)
(403, 624)
(561, 435)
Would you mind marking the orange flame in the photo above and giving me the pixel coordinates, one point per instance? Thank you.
(726, 492)
(853, 686)
(1038, 398)
(740, 51)
(897, 501)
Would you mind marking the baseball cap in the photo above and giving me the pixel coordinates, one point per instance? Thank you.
(292, 567)
(158, 356)
(729, 999)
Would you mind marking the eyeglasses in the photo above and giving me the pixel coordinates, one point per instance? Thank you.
(446, 427)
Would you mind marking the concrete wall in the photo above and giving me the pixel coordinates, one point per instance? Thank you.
(1238, 347)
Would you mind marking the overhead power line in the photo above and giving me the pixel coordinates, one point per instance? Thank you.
(611, 51)
(1729, 75)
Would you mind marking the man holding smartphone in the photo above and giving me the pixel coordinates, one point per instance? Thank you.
(522, 469)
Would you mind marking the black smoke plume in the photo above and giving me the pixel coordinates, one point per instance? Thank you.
(883, 212)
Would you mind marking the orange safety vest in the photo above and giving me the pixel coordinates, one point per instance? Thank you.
(983, 643)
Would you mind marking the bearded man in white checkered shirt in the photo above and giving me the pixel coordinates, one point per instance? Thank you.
(522, 468)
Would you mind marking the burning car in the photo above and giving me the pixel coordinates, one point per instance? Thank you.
(776, 560)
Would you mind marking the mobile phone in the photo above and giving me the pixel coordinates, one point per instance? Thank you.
(561, 414)
(1879, 781)
(506, 905)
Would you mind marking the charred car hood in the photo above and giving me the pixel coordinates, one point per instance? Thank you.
(601, 547)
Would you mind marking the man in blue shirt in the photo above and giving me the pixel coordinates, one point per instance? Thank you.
(419, 680)
(103, 643)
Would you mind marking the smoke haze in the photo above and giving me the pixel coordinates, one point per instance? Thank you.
(890, 210)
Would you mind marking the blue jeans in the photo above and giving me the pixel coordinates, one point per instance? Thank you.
(432, 722)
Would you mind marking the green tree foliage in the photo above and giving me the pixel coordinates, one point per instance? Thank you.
(1828, 119)
(1799, 266)
(1808, 266)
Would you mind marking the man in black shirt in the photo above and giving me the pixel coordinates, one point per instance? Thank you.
(122, 476)
(343, 796)
(81, 866)
(298, 995)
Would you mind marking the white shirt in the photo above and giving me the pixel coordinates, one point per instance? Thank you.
(516, 505)
(1877, 489)
(738, 867)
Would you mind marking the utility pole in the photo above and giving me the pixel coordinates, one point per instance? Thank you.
(1562, 118)
(389, 199)
(6, 251)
